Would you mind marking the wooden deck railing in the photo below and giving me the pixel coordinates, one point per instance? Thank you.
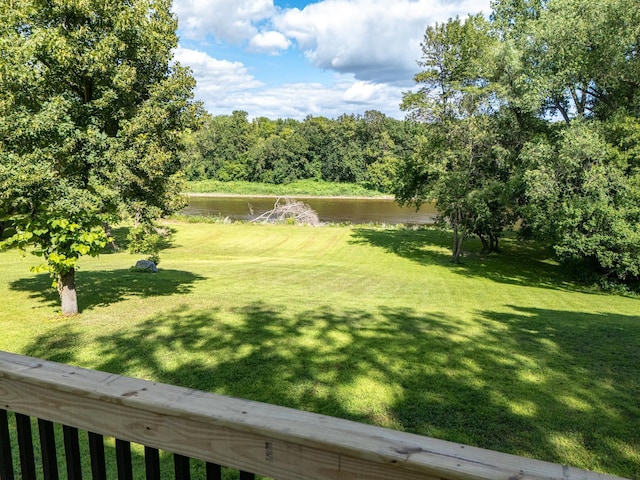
(245, 435)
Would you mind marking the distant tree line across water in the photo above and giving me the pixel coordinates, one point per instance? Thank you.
(364, 149)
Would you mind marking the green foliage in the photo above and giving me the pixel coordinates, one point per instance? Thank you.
(316, 188)
(219, 148)
(576, 61)
(92, 110)
(580, 198)
(381, 174)
(493, 149)
(60, 242)
(571, 58)
(350, 149)
(146, 239)
(457, 57)
(459, 163)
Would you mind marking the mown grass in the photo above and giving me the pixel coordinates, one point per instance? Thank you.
(317, 188)
(375, 325)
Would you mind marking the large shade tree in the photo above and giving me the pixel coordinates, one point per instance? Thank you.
(576, 63)
(92, 110)
(459, 163)
(535, 112)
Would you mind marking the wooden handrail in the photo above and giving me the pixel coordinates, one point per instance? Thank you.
(269, 440)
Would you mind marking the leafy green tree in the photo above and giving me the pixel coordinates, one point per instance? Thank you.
(92, 110)
(281, 153)
(534, 114)
(459, 164)
(351, 148)
(268, 160)
(582, 200)
(380, 153)
(199, 147)
(220, 148)
(344, 161)
(577, 61)
(570, 58)
(315, 130)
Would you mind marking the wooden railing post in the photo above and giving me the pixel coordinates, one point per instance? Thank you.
(96, 453)
(6, 460)
(48, 449)
(25, 444)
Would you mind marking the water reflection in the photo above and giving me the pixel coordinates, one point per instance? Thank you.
(337, 210)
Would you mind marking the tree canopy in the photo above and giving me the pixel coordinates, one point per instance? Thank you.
(92, 110)
(460, 165)
(534, 114)
(352, 148)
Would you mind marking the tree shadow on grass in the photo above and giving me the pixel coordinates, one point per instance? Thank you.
(518, 263)
(558, 386)
(101, 288)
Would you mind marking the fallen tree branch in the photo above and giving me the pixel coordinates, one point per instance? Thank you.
(286, 209)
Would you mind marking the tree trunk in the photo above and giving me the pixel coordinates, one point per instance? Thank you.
(458, 238)
(486, 247)
(107, 230)
(494, 244)
(458, 235)
(67, 291)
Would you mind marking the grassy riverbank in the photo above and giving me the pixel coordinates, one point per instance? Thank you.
(374, 325)
(316, 188)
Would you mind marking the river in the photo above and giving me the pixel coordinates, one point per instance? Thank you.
(329, 209)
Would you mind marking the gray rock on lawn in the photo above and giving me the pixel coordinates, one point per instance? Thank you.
(147, 265)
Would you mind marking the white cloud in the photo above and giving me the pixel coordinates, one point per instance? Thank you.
(372, 45)
(227, 20)
(297, 100)
(215, 77)
(376, 40)
(269, 42)
(364, 92)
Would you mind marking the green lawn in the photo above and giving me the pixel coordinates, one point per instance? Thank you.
(375, 325)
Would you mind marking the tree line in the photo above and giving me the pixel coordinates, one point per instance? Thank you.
(362, 149)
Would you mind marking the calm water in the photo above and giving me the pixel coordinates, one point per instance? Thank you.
(353, 210)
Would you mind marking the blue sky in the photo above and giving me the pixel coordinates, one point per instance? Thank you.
(293, 58)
